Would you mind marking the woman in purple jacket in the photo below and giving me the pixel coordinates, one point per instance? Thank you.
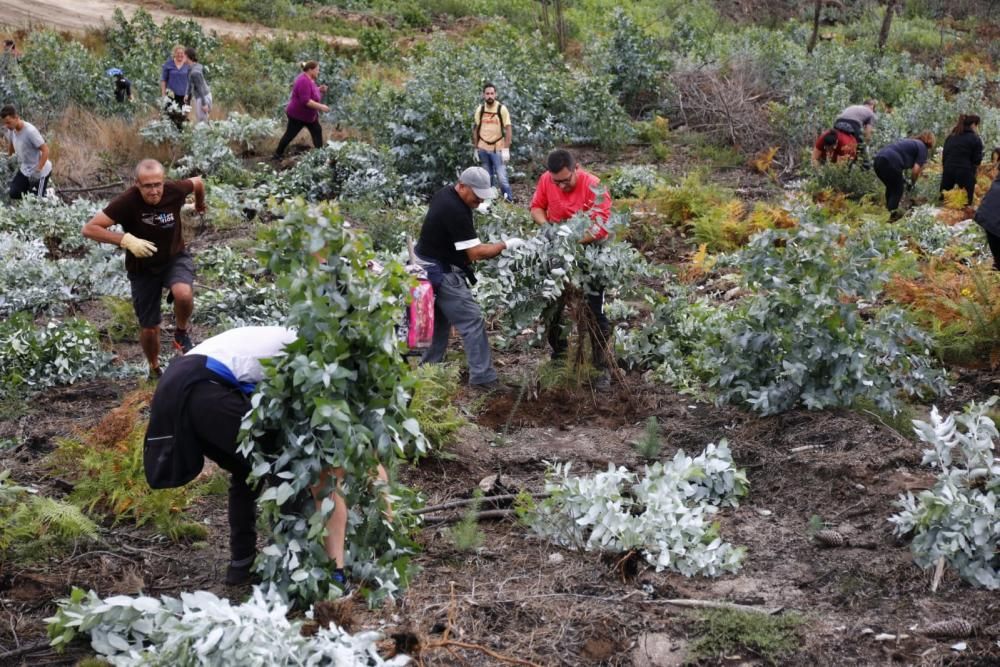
(303, 108)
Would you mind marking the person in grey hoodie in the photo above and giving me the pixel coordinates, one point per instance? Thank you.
(198, 91)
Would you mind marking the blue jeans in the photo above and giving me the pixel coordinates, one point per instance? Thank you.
(493, 163)
(454, 306)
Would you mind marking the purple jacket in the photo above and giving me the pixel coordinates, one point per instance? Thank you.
(305, 89)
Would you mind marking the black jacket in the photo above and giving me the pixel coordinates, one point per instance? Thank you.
(171, 455)
(962, 152)
(988, 214)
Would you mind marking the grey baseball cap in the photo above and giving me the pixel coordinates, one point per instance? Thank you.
(478, 179)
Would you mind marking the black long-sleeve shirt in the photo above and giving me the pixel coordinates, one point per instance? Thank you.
(962, 151)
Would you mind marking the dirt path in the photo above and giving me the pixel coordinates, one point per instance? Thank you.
(79, 15)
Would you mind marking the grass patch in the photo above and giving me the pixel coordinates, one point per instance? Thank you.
(725, 632)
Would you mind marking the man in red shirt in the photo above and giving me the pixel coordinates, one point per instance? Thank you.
(834, 145)
(563, 191)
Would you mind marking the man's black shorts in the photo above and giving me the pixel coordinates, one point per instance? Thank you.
(148, 286)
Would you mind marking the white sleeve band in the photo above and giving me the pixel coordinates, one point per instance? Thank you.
(465, 245)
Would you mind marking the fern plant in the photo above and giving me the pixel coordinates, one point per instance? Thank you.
(34, 527)
(106, 467)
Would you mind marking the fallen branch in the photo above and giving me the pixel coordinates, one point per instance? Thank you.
(488, 514)
(714, 604)
(21, 650)
(461, 502)
(93, 188)
(450, 645)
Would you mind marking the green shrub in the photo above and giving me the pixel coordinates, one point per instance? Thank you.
(428, 123)
(847, 178)
(33, 358)
(338, 397)
(635, 61)
(803, 336)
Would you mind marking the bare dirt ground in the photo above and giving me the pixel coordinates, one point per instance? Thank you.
(82, 15)
(523, 598)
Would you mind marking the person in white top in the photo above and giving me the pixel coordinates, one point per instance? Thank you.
(25, 141)
(197, 410)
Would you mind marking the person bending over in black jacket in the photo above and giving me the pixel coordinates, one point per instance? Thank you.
(897, 157)
(988, 217)
(963, 153)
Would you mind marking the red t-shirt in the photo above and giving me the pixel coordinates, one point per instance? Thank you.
(846, 146)
(160, 224)
(560, 206)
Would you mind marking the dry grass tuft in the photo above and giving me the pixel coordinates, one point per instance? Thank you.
(87, 147)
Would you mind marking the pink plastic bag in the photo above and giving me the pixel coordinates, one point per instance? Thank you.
(421, 329)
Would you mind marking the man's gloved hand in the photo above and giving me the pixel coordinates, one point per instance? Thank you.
(505, 155)
(475, 155)
(514, 243)
(136, 246)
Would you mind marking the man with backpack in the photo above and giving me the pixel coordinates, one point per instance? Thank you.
(491, 135)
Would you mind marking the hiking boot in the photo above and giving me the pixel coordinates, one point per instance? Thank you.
(182, 342)
(238, 575)
(340, 579)
(484, 387)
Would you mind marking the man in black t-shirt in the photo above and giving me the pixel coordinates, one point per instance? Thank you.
(448, 245)
(150, 215)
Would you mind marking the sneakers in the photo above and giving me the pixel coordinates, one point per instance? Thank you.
(340, 579)
(182, 342)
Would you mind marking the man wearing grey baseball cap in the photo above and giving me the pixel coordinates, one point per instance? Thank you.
(448, 245)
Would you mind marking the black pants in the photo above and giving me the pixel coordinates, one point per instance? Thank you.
(893, 180)
(994, 242)
(292, 131)
(20, 186)
(215, 411)
(963, 178)
(598, 339)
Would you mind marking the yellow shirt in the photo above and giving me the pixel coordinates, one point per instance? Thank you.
(491, 126)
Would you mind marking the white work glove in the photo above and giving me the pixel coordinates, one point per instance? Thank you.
(475, 155)
(505, 155)
(514, 243)
(138, 247)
